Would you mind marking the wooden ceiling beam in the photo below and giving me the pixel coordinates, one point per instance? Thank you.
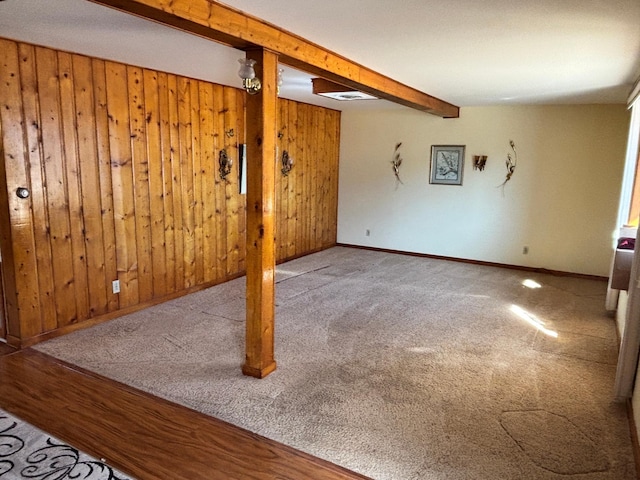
(236, 29)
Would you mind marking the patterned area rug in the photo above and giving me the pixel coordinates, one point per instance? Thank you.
(29, 453)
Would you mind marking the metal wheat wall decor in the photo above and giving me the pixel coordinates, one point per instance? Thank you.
(511, 164)
(396, 161)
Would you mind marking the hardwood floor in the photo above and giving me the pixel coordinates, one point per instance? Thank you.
(141, 435)
(6, 349)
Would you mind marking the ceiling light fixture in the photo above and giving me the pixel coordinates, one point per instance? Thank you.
(250, 82)
(336, 91)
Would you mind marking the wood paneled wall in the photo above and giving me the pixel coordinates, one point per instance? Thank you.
(122, 166)
(307, 198)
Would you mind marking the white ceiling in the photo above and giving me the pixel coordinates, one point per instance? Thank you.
(466, 52)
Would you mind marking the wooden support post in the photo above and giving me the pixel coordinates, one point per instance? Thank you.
(261, 201)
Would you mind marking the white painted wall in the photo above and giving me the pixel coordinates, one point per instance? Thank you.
(621, 312)
(561, 202)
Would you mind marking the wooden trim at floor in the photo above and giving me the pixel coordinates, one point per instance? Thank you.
(310, 252)
(635, 444)
(142, 435)
(557, 273)
(17, 343)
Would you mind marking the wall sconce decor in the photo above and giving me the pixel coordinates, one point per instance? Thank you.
(225, 164)
(246, 72)
(479, 162)
(287, 163)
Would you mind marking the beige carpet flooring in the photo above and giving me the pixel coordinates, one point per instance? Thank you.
(394, 366)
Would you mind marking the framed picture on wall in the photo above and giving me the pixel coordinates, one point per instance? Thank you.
(447, 163)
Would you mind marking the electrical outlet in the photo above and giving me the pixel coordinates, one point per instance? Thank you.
(115, 286)
(367, 232)
(525, 250)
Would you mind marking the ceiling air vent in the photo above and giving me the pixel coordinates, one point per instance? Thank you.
(338, 92)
